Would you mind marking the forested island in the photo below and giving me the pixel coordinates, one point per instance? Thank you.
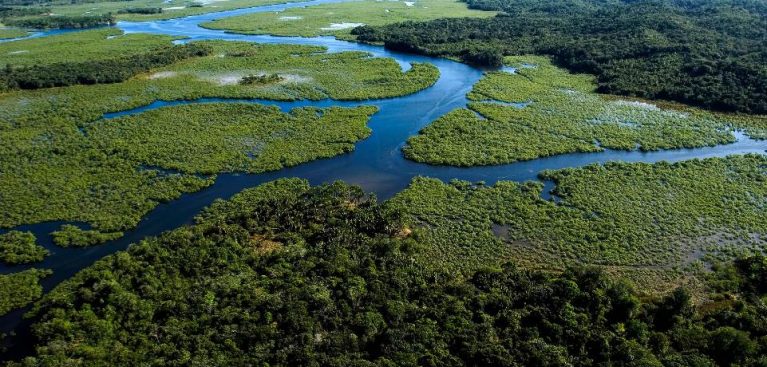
(383, 183)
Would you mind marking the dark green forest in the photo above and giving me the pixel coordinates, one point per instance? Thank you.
(706, 53)
(61, 21)
(291, 275)
(111, 70)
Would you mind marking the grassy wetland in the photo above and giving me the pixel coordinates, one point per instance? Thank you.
(62, 162)
(647, 221)
(134, 10)
(540, 110)
(12, 33)
(339, 19)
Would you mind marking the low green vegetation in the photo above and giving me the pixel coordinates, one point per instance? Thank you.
(18, 247)
(244, 137)
(20, 289)
(541, 110)
(73, 236)
(94, 72)
(50, 21)
(286, 274)
(74, 14)
(704, 53)
(339, 19)
(645, 219)
(118, 170)
(89, 57)
(79, 47)
(12, 33)
(59, 162)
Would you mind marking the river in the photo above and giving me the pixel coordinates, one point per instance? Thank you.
(377, 164)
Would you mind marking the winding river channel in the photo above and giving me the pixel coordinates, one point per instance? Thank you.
(377, 164)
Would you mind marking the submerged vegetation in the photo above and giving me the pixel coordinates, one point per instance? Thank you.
(18, 247)
(651, 218)
(59, 162)
(705, 53)
(540, 110)
(287, 274)
(20, 289)
(339, 19)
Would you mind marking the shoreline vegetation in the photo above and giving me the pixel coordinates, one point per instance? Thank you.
(535, 110)
(656, 224)
(59, 148)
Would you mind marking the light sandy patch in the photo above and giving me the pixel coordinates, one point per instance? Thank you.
(174, 8)
(18, 52)
(293, 78)
(163, 75)
(291, 18)
(643, 105)
(341, 26)
(409, 3)
(228, 79)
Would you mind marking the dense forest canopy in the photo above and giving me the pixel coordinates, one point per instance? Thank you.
(707, 53)
(286, 275)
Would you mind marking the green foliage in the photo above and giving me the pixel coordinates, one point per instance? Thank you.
(338, 19)
(227, 137)
(287, 274)
(61, 21)
(656, 217)
(59, 162)
(18, 247)
(12, 33)
(133, 10)
(73, 236)
(703, 53)
(20, 289)
(559, 113)
(261, 79)
(140, 11)
(80, 47)
(113, 70)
